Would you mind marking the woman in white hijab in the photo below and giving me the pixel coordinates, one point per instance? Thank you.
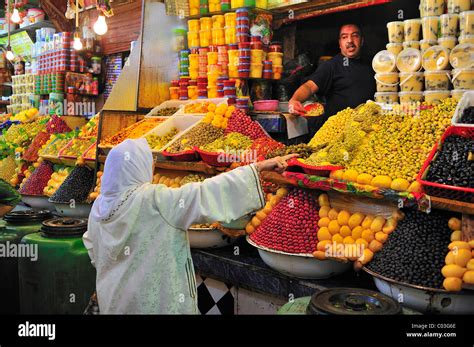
(137, 237)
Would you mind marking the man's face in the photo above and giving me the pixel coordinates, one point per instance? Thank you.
(19, 69)
(350, 41)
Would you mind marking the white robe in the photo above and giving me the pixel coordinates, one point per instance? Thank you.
(137, 237)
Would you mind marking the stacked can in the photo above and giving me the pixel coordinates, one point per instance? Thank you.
(183, 88)
(174, 90)
(184, 63)
(57, 82)
(244, 60)
(225, 5)
(192, 90)
(194, 63)
(193, 33)
(220, 86)
(243, 103)
(202, 87)
(218, 33)
(230, 30)
(233, 66)
(243, 25)
(223, 60)
(48, 84)
(267, 69)
(205, 32)
(230, 91)
(202, 59)
(203, 6)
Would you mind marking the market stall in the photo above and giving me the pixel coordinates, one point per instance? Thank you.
(381, 198)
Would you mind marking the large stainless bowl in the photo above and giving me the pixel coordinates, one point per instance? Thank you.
(424, 299)
(79, 210)
(37, 202)
(208, 238)
(300, 265)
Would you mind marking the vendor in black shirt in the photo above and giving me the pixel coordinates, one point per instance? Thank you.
(346, 80)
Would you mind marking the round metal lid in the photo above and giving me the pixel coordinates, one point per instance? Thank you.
(27, 216)
(64, 227)
(352, 301)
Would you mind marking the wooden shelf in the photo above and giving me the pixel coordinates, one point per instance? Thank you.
(210, 14)
(452, 205)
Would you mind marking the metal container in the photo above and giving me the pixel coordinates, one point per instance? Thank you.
(79, 210)
(300, 265)
(208, 238)
(37, 202)
(352, 301)
(423, 299)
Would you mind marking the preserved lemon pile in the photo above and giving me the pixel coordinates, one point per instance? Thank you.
(382, 150)
(232, 141)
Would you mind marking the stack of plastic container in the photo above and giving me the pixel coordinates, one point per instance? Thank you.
(230, 28)
(205, 32)
(218, 33)
(233, 65)
(275, 55)
(192, 90)
(223, 60)
(183, 88)
(230, 91)
(202, 87)
(184, 63)
(243, 103)
(244, 60)
(243, 25)
(202, 59)
(174, 90)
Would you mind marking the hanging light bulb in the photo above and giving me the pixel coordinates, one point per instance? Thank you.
(100, 27)
(77, 42)
(10, 56)
(15, 18)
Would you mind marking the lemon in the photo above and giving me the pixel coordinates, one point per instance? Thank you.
(368, 235)
(345, 231)
(324, 222)
(343, 217)
(462, 257)
(458, 245)
(337, 238)
(468, 277)
(355, 220)
(337, 175)
(381, 236)
(357, 232)
(332, 214)
(400, 184)
(334, 227)
(454, 224)
(381, 181)
(449, 259)
(456, 235)
(323, 211)
(452, 284)
(364, 178)
(324, 234)
(453, 270)
(211, 107)
(470, 264)
(350, 175)
(414, 187)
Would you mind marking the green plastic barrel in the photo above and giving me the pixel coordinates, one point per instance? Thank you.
(13, 228)
(62, 280)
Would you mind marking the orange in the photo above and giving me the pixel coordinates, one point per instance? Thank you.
(334, 227)
(459, 245)
(357, 232)
(320, 255)
(470, 264)
(468, 277)
(322, 245)
(343, 217)
(364, 179)
(345, 231)
(456, 235)
(336, 175)
(375, 246)
(348, 240)
(462, 257)
(454, 224)
(324, 234)
(211, 107)
(324, 222)
(333, 213)
(377, 224)
(323, 200)
(368, 235)
(362, 242)
(366, 256)
(350, 175)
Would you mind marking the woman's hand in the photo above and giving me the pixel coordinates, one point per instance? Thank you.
(295, 107)
(277, 164)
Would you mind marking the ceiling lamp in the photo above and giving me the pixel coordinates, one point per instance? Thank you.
(100, 27)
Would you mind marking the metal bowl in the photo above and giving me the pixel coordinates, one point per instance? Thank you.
(79, 210)
(208, 238)
(300, 265)
(38, 202)
(424, 299)
(238, 224)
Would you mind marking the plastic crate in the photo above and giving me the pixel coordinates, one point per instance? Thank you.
(167, 104)
(466, 101)
(444, 190)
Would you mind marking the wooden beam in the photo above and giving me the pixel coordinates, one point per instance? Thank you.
(55, 9)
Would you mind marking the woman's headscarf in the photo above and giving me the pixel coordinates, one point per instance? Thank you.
(128, 167)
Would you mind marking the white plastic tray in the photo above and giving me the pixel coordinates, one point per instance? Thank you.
(182, 123)
(466, 101)
(166, 104)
